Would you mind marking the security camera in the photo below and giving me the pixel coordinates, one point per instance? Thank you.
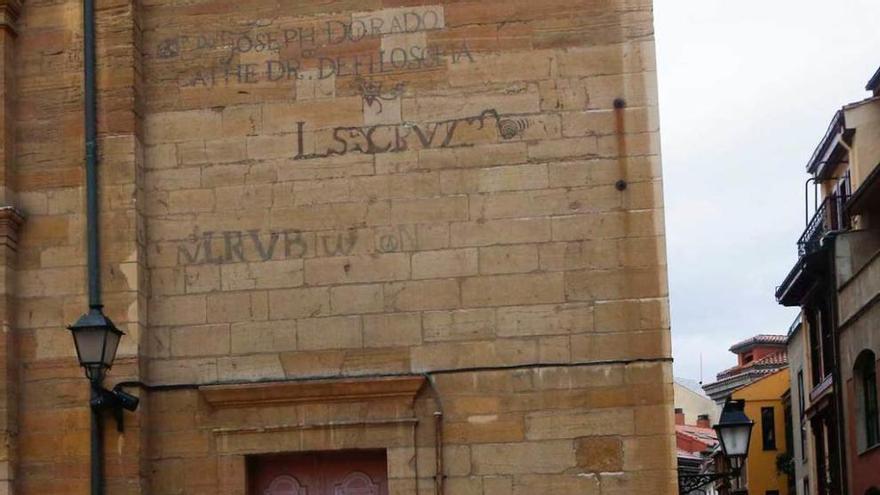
(126, 400)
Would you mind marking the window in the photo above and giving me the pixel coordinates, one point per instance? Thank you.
(815, 347)
(801, 400)
(801, 405)
(870, 401)
(768, 428)
(868, 423)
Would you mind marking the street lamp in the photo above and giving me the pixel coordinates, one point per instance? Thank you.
(96, 339)
(734, 431)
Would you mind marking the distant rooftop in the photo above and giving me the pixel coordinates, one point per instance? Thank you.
(874, 83)
(771, 340)
(767, 364)
(705, 435)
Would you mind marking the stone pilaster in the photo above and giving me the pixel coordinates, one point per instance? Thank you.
(9, 10)
(10, 222)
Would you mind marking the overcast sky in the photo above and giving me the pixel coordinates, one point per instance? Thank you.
(747, 89)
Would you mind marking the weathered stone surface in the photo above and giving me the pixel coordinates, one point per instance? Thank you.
(330, 190)
(600, 454)
(528, 457)
(572, 424)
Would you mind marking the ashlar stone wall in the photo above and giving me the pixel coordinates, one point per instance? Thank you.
(433, 228)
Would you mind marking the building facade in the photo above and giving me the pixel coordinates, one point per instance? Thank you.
(765, 406)
(695, 413)
(760, 378)
(802, 464)
(834, 282)
(756, 357)
(693, 402)
(371, 246)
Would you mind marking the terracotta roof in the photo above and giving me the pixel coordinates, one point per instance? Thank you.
(759, 340)
(767, 364)
(776, 358)
(705, 435)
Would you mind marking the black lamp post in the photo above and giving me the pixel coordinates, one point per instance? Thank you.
(734, 430)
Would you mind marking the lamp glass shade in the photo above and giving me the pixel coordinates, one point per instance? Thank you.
(111, 344)
(734, 429)
(89, 343)
(735, 439)
(97, 340)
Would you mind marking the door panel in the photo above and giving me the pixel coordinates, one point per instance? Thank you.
(285, 485)
(356, 483)
(357, 472)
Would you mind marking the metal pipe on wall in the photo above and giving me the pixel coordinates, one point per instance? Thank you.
(91, 144)
(92, 248)
(439, 476)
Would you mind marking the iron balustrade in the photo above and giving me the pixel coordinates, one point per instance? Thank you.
(829, 216)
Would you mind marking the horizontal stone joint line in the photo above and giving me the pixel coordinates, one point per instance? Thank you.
(427, 374)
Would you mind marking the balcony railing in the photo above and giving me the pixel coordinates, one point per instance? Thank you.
(829, 216)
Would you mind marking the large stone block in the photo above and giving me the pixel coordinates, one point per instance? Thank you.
(508, 290)
(582, 423)
(444, 264)
(523, 457)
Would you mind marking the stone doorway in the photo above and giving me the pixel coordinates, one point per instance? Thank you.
(351, 472)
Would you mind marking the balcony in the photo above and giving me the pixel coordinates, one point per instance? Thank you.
(829, 216)
(812, 265)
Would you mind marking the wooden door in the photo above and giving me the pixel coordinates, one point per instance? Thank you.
(355, 472)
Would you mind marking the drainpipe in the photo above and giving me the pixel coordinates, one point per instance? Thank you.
(92, 250)
(91, 142)
(439, 477)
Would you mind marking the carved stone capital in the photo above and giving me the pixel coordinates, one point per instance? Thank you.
(10, 222)
(9, 11)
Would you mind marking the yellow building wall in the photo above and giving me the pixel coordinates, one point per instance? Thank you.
(761, 472)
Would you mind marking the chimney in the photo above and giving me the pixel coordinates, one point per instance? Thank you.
(703, 421)
(679, 416)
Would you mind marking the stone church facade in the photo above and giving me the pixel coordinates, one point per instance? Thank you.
(357, 246)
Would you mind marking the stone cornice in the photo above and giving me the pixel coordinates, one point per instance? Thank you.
(313, 391)
(9, 11)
